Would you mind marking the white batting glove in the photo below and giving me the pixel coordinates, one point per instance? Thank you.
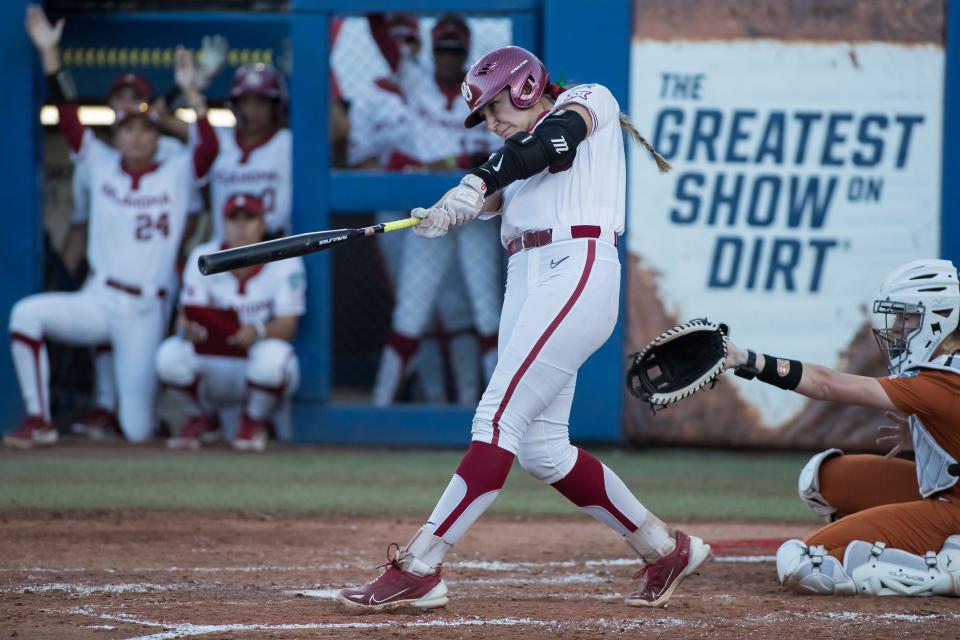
(435, 222)
(465, 201)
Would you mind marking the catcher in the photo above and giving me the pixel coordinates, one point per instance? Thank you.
(894, 521)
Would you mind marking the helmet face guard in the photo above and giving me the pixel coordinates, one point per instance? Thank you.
(897, 325)
(918, 306)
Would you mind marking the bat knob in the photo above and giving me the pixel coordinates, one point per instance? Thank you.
(204, 265)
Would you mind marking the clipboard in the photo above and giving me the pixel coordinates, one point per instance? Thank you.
(219, 323)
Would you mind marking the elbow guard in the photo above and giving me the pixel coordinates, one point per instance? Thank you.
(552, 144)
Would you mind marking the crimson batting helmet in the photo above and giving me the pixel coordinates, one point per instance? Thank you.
(135, 81)
(259, 79)
(512, 67)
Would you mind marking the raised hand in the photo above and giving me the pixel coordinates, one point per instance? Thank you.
(213, 57)
(45, 36)
(896, 435)
(185, 72)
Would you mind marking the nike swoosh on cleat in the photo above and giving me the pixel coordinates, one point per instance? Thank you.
(373, 598)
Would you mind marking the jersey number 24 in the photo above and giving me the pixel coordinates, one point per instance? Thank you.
(147, 226)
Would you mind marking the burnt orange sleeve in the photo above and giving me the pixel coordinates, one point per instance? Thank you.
(930, 394)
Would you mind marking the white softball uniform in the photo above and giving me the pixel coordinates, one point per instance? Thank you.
(562, 298)
(270, 373)
(136, 224)
(263, 168)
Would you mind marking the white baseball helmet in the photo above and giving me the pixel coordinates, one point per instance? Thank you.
(917, 307)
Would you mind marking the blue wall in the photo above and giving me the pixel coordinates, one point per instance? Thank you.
(21, 164)
(950, 238)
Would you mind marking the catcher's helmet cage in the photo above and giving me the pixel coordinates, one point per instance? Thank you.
(928, 291)
(647, 376)
(512, 67)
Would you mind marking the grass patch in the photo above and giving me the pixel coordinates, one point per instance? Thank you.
(675, 484)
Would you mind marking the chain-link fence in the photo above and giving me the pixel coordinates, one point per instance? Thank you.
(415, 319)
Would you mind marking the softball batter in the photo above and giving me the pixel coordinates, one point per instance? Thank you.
(558, 183)
(896, 522)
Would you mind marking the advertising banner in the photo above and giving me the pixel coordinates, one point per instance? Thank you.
(804, 171)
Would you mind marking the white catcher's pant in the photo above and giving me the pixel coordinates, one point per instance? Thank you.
(560, 306)
(97, 314)
(269, 375)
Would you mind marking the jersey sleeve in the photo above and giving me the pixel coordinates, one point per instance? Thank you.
(194, 290)
(931, 395)
(603, 107)
(291, 299)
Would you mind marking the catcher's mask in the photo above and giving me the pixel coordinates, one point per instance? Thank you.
(918, 306)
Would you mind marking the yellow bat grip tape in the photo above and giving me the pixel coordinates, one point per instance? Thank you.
(396, 225)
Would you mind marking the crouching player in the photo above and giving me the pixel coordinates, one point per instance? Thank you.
(234, 337)
(894, 521)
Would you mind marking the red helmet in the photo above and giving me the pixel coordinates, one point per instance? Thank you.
(512, 67)
(260, 80)
(137, 82)
(243, 202)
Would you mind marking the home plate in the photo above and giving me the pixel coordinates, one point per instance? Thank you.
(323, 594)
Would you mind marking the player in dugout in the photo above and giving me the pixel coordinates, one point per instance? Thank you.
(234, 337)
(895, 521)
(138, 212)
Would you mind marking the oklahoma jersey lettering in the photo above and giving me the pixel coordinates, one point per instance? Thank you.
(263, 168)
(268, 291)
(167, 147)
(590, 191)
(136, 222)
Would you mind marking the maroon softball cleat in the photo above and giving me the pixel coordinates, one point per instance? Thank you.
(666, 574)
(396, 589)
(33, 432)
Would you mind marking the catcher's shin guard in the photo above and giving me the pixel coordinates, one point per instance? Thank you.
(881, 571)
(810, 570)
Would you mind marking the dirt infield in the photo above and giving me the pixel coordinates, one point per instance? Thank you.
(156, 575)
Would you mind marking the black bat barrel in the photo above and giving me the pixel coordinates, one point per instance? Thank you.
(273, 250)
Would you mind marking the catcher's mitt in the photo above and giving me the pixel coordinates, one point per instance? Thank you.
(678, 362)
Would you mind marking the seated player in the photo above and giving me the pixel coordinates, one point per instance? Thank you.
(234, 334)
(894, 521)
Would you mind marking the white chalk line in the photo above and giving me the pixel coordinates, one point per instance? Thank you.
(479, 565)
(178, 630)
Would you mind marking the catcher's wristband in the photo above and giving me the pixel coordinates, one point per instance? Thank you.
(781, 372)
(749, 370)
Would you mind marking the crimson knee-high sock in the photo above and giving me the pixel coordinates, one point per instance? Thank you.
(474, 486)
(596, 489)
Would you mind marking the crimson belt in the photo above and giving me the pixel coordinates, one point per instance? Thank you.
(543, 237)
